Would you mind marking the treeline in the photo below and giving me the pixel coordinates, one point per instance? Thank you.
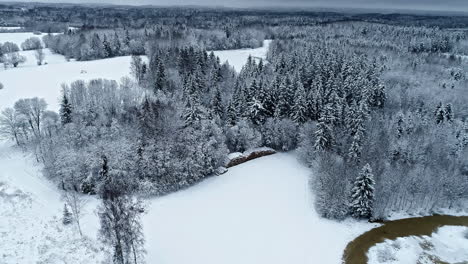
(99, 44)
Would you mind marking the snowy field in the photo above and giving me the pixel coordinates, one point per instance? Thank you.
(50, 58)
(45, 81)
(18, 38)
(258, 212)
(9, 28)
(449, 244)
(238, 58)
(31, 230)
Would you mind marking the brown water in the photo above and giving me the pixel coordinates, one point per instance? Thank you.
(356, 250)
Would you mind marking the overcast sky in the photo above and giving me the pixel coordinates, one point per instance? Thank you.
(434, 5)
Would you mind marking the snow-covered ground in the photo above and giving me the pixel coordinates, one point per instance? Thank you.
(448, 244)
(50, 58)
(30, 224)
(18, 37)
(238, 58)
(45, 81)
(258, 212)
(9, 28)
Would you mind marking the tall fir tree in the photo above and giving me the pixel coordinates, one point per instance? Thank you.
(299, 109)
(362, 194)
(65, 110)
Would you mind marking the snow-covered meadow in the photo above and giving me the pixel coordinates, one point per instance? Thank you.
(18, 37)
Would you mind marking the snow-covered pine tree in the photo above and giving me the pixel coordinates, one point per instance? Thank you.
(67, 216)
(65, 110)
(217, 104)
(323, 136)
(362, 194)
(449, 112)
(108, 53)
(299, 109)
(192, 113)
(161, 80)
(231, 114)
(257, 112)
(440, 114)
(116, 45)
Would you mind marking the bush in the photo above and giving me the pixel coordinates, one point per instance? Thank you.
(32, 43)
(9, 47)
(242, 137)
(280, 134)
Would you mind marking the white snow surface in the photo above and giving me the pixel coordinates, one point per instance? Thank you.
(18, 37)
(448, 244)
(238, 58)
(258, 212)
(9, 28)
(30, 224)
(45, 81)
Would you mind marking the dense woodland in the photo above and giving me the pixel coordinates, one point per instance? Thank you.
(376, 110)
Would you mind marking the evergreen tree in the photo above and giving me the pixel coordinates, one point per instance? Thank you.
(449, 112)
(217, 104)
(440, 114)
(299, 110)
(116, 45)
(256, 112)
(65, 110)
(108, 53)
(67, 216)
(362, 194)
(232, 114)
(323, 136)
(192, 113)
(161, 80)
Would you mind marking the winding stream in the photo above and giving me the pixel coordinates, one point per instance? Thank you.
(356, 250)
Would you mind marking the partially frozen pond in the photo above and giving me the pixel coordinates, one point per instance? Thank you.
(356, 251)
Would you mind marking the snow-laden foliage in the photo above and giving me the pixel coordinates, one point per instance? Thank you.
(362, 193)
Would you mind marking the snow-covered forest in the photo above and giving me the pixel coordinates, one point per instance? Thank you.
(374, 106)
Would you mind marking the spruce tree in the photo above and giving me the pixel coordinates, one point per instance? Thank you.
(217, 104)
(192, 113)
(108, 53)
(65, 110)
(231, 114)
(257, 112)
(323, 136)
(449, 112)
(160, 82)
(440, 114)
(299, 109)
(362, 194)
